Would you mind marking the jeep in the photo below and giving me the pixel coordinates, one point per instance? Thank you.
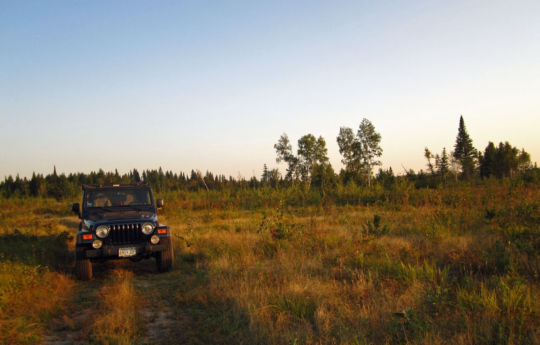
(119, 221)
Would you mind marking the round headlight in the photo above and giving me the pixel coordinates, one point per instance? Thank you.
(102, 231)
(147, 228)
(97, 244)
(154, 239)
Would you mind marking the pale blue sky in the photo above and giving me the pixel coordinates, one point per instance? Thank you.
(211, 85)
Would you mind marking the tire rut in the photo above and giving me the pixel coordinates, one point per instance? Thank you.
(160, 322)
(72, 327)
(160, 318)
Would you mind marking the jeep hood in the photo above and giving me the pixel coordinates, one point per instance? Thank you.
(113, 215)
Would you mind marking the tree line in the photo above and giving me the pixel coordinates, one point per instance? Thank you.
(466, 162)
(309, 168)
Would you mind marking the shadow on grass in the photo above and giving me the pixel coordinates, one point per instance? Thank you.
(195, 313)
(51, 251)
(199, 315)
(202, 315)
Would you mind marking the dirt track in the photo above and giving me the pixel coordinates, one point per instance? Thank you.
(156, 319)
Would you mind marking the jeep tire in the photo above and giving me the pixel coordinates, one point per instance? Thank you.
(83, 269)
(165, 258)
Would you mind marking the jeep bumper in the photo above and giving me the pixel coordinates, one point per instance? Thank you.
(112, 251)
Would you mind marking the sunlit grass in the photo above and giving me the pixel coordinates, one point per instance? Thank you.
(448, 266)
(116, 321)
(328, 276)
(29, 297)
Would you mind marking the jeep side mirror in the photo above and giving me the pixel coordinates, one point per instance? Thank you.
(76, 208)
(160, 203)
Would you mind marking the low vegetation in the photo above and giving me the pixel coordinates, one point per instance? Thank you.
(416, 266)
(116, 320)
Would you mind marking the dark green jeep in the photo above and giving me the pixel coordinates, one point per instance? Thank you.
(120, 221)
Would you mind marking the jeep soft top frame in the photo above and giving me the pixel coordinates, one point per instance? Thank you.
(115, 185)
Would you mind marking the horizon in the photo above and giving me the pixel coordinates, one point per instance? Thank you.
(183, 86)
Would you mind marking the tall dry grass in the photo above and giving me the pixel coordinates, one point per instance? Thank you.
(457, 265)
(35, 283)
(446, 267)
(116, 321)
(30, 296)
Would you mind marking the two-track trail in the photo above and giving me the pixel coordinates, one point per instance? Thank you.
(126, 303)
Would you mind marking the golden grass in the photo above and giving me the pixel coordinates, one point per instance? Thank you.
(450, 266)
(116, 321)
(29, 298)
(437, 277)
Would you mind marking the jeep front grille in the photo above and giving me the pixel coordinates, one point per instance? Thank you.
(126, 233)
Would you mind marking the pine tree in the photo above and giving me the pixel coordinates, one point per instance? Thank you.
(464, 151)
(488, 161)
(443, 167)
(265, 177)
(509, 160)
(136, 175)
(36, 185)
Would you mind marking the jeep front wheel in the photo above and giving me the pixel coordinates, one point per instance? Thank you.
(165, 258)
(83, 269)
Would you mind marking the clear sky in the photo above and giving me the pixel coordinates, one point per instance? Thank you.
(211, 85)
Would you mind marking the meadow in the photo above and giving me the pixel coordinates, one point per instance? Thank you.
(450, 265)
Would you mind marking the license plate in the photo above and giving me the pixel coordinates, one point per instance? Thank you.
(126, 252)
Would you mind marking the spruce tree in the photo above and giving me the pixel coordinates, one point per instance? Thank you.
(464, 151)
(265, 175)
(36, 184)
(488, 161)
(509, 160)
(443, 168)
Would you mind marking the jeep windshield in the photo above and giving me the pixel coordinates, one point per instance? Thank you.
(103, 198)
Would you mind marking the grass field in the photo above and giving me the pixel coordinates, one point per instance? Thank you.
(446, 266)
